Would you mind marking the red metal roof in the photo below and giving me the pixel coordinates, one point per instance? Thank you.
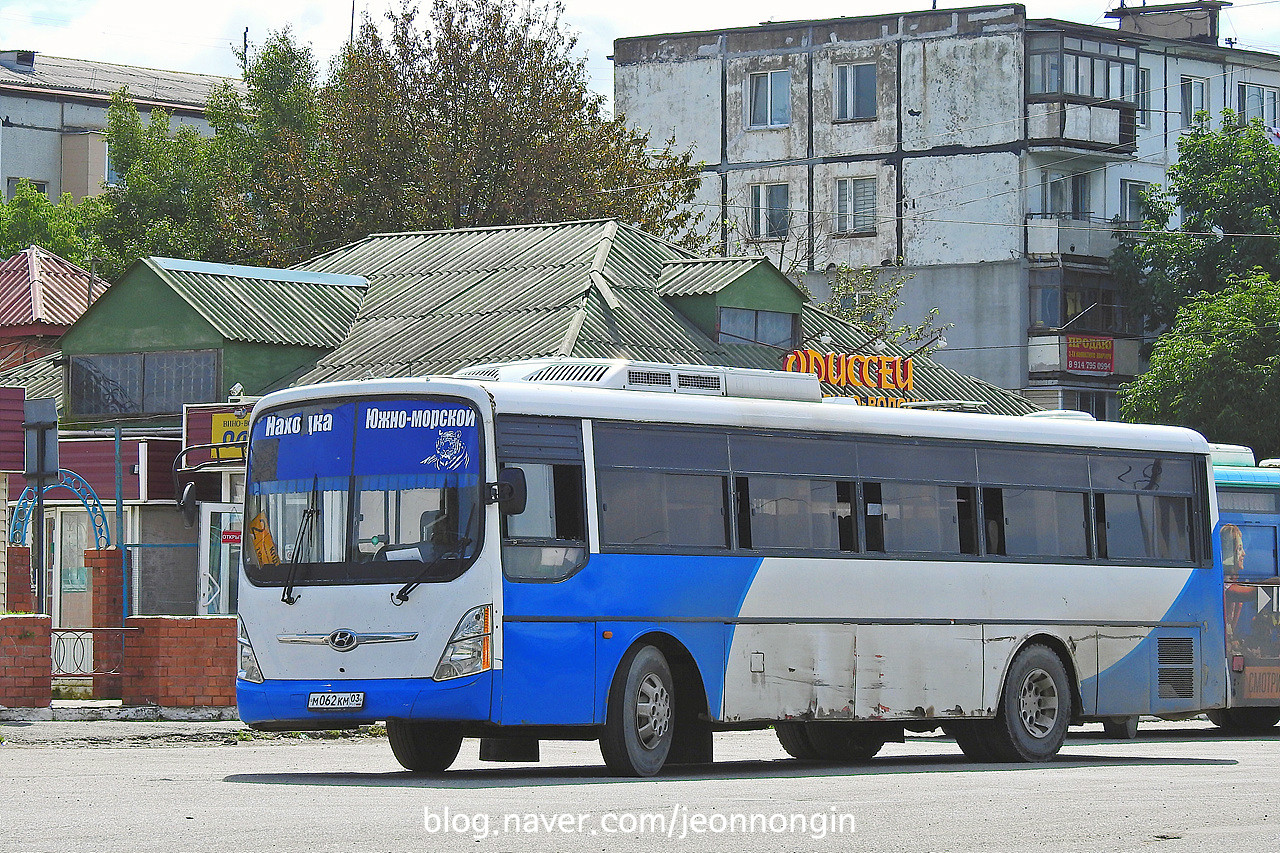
(38, 287)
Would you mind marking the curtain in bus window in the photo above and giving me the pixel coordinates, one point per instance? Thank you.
(797, 513)
(1041, 523)
(650, 508)
(1151, 527)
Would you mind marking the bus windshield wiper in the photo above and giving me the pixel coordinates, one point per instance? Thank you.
(304, 529)
(401, 596)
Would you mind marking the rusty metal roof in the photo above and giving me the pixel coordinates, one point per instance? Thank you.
(101, 80)
(38, 287)
(262, 305)
(443, 300)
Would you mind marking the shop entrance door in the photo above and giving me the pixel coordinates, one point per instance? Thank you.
(219, 557)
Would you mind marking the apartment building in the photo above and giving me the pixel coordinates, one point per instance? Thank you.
(53, 116)
(990, 154)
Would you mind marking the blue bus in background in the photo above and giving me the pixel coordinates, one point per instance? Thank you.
(1248, 521)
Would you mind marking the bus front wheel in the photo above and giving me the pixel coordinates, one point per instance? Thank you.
(1245, 720)
(639, 721)
(423, 747)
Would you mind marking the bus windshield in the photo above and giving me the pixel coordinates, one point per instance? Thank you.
(363, 492)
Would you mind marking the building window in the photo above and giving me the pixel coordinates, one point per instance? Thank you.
(1098, 70)
(770, 104)
(112, 177)
(1194, 93)
(1066, 195)
(1133, 208)
(42, 187)
(1259, 102)
(153, 383)
(855, 92)
(770, 214)
(1144, 97)
(855, 205)
(1093, 402)
(745, 326)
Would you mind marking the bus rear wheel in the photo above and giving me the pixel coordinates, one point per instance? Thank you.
(1245, 720)
(1035, 708)
(794, 738)
(423, 747)
(639, 721)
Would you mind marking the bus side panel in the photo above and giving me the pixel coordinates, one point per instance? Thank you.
(911, 671)
(1002, 641)
(548, 674)
(790, 670)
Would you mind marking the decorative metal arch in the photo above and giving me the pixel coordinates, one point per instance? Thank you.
(66, 480)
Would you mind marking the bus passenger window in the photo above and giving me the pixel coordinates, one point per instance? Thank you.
(548, 540)
(845, 522)
(1042, 523)
(967, 518)
(993, 520)
(742, 506)
(875, 516)
(1148, 527)
(656, 508)
(795, 513)
(922, 518)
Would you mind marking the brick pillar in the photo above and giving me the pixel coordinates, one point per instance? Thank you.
(26, 665)
(180, 661)
(19, 596)
(107, 571)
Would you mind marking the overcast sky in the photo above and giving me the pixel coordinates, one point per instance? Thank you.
(198, 36)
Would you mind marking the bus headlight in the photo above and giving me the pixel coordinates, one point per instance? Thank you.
(247, 668)
(470, 649)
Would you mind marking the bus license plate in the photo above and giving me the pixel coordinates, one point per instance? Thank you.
(334, 701)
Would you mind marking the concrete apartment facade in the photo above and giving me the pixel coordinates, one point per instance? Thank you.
(53, 116)
(990, 154)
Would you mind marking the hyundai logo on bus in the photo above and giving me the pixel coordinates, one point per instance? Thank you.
(343, 640)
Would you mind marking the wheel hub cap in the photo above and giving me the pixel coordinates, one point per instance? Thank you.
(653, 711)
(1038, 703)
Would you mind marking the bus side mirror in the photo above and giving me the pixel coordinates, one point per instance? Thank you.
(188, 506)
(510, 492)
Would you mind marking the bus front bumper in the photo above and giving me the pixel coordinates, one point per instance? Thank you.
(282, 705)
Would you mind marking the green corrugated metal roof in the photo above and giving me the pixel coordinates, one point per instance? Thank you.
(439, 301)
(41, 377)
(703, 275)
(261, 305)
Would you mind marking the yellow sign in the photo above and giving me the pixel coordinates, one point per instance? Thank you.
(227, 428)
(264, 544)
(890, 372)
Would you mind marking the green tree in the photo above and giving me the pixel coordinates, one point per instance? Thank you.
(871, 298)
(1227, 184)
(1217, 369)
(165, 199)
(30, 219)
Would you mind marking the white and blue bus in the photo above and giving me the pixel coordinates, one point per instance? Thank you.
(1248, 521)
(644, 554)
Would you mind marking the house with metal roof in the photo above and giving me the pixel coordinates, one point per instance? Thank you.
(53, 116)
(41, 295)
(172, 332)
(440, 301)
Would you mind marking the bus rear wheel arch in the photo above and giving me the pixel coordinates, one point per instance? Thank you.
(1036, 706)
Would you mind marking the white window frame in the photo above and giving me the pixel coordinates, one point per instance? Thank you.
(1126, 200)
(846, 82)
(772, 86)
(1144, 97)
(856, 204)
(1191, 104)
(1269, 109)
(760, 205)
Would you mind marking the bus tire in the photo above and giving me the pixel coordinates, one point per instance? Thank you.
(639, 721)
(844, 743)
(1245, 720)
(1035, 708)
(1121, 728)
(423, 747)
(795, 740)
